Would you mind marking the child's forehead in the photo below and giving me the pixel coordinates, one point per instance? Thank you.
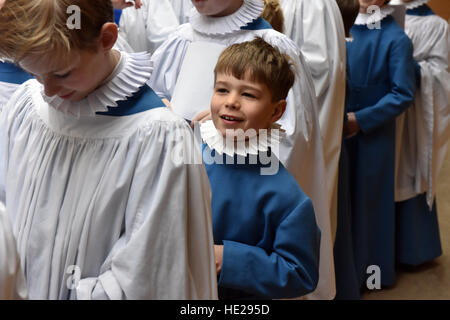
(48, 63)
(248, 76)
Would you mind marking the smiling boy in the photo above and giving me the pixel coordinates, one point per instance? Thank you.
(265, 233)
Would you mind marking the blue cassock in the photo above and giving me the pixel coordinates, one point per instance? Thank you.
(418, 239)
(13, 74)
(268, 228)
(381, 83)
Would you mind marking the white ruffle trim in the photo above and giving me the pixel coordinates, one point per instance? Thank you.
(249, 11)
(130, 74)
(415, 4)
(367, 18)
(255, 144)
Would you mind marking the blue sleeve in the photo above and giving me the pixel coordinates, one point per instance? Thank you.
(402, 84)
(290, 271)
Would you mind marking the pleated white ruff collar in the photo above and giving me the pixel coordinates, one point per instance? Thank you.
(415, 4)
(367, 18)
(249, 11)
(255, 144)
(132, 72)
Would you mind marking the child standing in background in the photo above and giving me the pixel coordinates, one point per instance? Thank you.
(381, 84)
(99, 208)
(267, 240)
(424, 138)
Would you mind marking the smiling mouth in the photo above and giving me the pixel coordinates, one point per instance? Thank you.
(231, 119)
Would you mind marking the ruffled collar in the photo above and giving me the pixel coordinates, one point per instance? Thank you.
(415, 4)
(131, 73)
(249, 11)
(377, 16)
(255, 144)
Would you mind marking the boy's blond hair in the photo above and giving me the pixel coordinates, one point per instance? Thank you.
(41, 27)
(274, 14)
(262, 63)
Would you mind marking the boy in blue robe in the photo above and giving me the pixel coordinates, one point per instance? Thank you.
(381, 83)
(265, 233)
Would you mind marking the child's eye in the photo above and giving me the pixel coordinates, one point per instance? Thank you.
(221, 90)
(249, 95)
(62, 76)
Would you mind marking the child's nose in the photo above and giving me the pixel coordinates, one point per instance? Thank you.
(233, 101)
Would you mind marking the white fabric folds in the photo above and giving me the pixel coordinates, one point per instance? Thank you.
(101, 206)
(317, 28)
(249, 11)
(255, 143)
(12, 281)
(423, 132)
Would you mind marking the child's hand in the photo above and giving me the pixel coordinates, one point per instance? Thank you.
(2, 2)
(351, 127)
(201, 117)
(122, 4)
(218, 253)
(167, 103)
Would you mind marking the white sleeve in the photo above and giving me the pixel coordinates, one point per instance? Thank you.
(154, 21)
(166, 249)
(423, 148)
(167, 62)
(12, 281)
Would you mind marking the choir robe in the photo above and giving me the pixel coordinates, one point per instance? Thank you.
(11, 77)
(145, 29)
(382, 86)
(98, 206)
(424, 138)
(267, 227)
(12, 281)
(302, 151)
(318, 30)
(182, 9)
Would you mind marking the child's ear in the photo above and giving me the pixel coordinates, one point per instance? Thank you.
(280, 107)
(108, 36)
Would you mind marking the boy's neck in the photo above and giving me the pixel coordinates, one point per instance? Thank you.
(231, 9)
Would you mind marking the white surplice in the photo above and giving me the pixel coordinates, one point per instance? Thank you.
(100, 206)
(182, 9)
(6, 91)
(423, 136)
(317, 28)
(12, 281)
(145, 29)
(301, 152)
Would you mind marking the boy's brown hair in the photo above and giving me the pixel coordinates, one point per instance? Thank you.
(349, 11)
(42, 26)
(274, 14)
(262, 63)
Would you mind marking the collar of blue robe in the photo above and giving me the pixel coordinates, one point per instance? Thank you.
(11, 73)
(257, 24)
(143, 100)
(422, 11)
